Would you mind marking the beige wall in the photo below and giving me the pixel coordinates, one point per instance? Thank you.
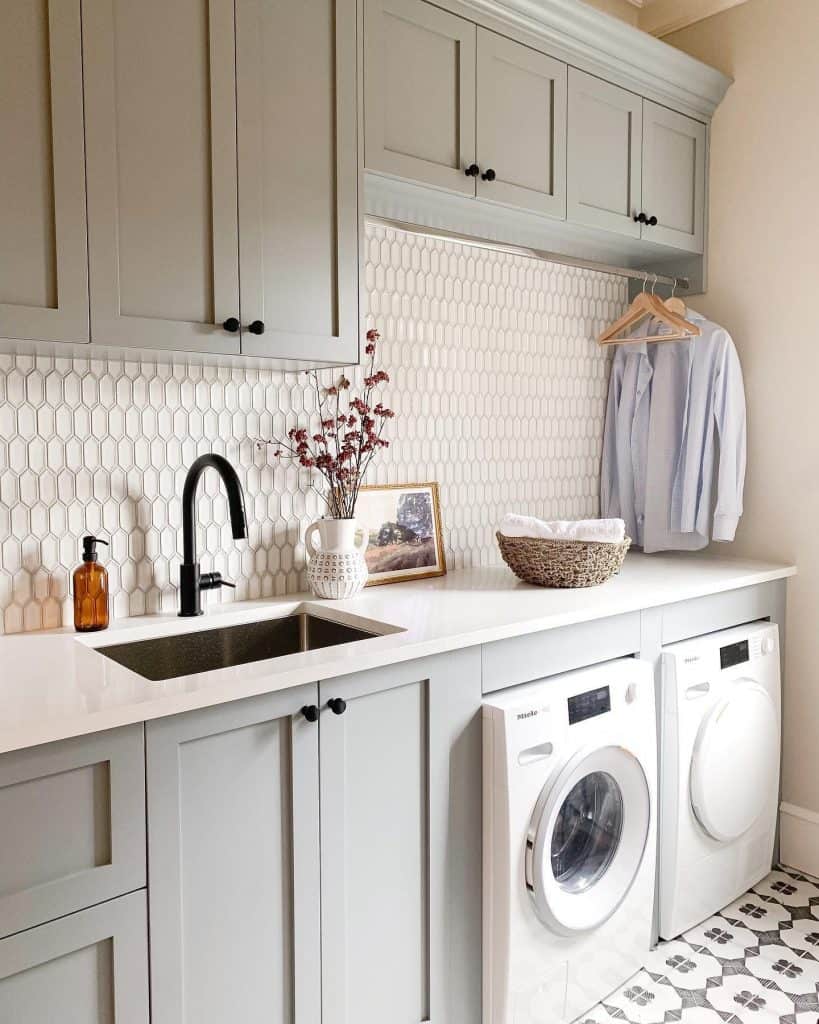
(764, 286)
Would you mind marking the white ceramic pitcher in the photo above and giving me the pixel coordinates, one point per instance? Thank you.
(337, 568)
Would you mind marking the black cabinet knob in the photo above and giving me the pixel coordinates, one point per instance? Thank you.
(488, 174)
(472, 171)
(652, 222)
(257, 327)
(310, 712)
(337, 705)
(641, 219)
(231, 324)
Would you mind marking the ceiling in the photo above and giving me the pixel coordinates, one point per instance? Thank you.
(660, 17)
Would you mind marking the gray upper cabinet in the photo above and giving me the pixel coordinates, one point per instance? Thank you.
(201, 166)
(88, 968)
(419, 93)
(674, 163)
(521, 126)
(43, 263)
(299, 222)
(78, 834)
(233, 812)
(400, 824)
(160, 120)
(605, 140)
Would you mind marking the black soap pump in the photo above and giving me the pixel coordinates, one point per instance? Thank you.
(90, 589)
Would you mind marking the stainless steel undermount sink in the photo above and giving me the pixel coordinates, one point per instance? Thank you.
(205, 650)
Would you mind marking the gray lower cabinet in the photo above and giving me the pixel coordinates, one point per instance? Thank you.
(87, 968)
(233, 855)
(78, 832)
(320, 872)
(400, 842)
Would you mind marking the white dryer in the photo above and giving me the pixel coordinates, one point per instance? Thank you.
(719, 771)
(569, 840)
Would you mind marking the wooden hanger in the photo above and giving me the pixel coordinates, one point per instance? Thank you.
(649, 305)
(675, 304)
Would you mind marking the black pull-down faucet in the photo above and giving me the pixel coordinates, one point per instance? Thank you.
(191, 581)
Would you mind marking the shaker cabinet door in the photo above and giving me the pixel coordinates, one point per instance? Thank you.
(521, 136)
(43, 261)
(160, 112)
(605, 140)
(233, 863)
(400, 842)
(87, 968)
(299, 219)
(419, 93)
(674, 177)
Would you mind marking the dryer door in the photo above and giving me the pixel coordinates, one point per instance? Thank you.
(587, 838)
(735, 763)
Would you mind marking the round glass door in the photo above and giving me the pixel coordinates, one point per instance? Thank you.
(587, 832)
(586, 839)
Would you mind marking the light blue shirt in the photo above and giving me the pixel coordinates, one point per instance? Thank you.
(674, 449)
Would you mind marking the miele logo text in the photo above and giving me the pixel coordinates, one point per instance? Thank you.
(692, 659)
(527, 714)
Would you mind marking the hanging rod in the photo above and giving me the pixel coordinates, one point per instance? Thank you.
(535, 254)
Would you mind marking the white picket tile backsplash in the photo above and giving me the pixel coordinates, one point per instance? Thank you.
(499, 392)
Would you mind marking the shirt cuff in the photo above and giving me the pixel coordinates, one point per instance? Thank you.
(725, 527)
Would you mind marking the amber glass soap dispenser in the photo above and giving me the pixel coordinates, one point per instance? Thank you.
(90, 589)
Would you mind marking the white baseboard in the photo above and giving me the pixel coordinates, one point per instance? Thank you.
(799, 838)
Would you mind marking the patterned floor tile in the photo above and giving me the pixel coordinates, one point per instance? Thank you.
(682, 965)
(756, 962)
(723, 938)
(788, 889)
(644, 1000)
(759, 914)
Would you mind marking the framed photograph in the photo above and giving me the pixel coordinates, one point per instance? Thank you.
(403, 523)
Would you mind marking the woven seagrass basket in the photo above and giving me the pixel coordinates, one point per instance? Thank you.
(562, 563)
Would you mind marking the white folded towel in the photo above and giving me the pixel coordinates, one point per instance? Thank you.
(610, 531)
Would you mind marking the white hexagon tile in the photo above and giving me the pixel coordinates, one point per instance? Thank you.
(499, 392)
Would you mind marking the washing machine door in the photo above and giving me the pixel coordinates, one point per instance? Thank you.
(735, 763)
(587, 838)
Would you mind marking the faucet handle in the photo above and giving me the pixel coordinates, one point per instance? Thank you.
(213, 581)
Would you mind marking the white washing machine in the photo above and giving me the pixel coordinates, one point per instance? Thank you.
(569, 840)
(719, 770)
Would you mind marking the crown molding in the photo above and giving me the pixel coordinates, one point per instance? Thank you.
(608, 47)
(662, 17)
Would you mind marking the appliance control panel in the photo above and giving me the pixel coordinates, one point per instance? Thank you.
(589, 704)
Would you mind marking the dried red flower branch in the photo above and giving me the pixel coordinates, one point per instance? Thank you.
(340, 446)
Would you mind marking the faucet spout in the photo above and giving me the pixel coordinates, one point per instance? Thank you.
(191, 581)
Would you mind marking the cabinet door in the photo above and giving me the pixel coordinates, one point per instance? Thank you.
(605, 136)
(160, 112)
(298, 178)
(419, 93)
(233, 863)
(87, 968)
(401, 844)
(674, 177)
(43, 261)
(521, 125)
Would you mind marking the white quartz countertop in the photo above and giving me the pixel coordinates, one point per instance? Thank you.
(55, 684)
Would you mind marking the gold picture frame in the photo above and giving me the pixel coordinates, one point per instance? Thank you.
(393, 542)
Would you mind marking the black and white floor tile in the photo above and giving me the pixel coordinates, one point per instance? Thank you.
(756, 962)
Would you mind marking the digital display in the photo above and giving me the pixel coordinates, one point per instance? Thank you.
(733, 654)
(589, 705)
